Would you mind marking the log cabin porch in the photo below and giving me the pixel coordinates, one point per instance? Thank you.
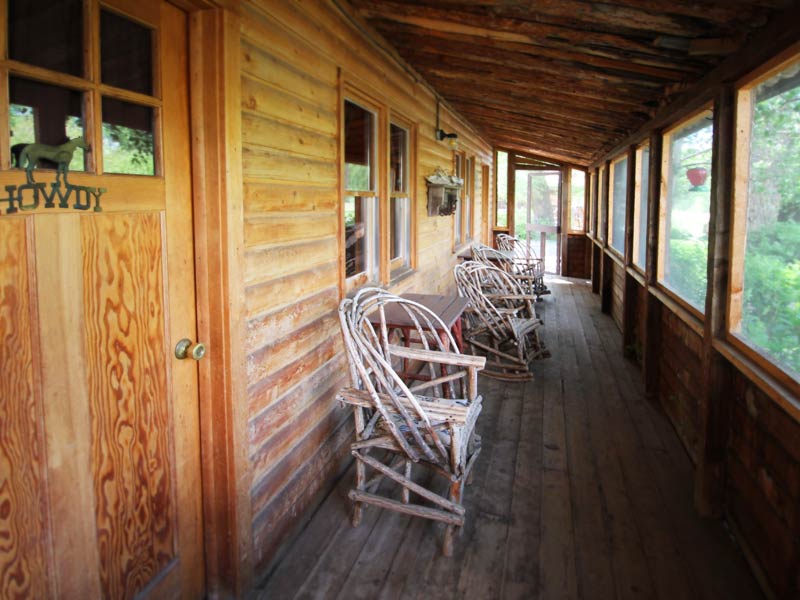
(226, 172)
(583, 491)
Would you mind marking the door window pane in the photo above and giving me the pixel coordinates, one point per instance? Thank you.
(127, 138)
(126, 53)
(44, 114)
(536, 210)
(47, 34)
(770, 315)
(687, 209)
(619, 195)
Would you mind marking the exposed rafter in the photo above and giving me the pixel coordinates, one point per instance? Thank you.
(564, 78)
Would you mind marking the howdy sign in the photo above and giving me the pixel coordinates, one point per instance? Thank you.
(29, 196)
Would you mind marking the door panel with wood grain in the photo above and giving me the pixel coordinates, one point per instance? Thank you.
(100, 491)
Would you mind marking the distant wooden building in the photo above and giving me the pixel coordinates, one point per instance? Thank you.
(251, 163)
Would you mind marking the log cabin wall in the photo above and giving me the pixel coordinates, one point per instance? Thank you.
(294, 57)
(739, 425)
(680, 377)
(762, 490)
(578, 256)
(617, 289)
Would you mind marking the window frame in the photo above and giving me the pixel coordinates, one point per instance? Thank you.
(591, 227)
(666, 147)
(743, 107)
(468, 215)
(373, 221)
(497, 178)
(602, 192)
(612, 203)
(459, 226)
(586, 179)
(641, 198)
(398, 267)
(89, 85)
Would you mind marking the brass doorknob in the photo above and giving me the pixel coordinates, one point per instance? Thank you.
(186, 348)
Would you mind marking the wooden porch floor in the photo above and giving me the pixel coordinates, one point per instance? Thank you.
(582, 491)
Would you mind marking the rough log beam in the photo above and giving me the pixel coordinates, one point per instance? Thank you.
(547, 112)
(485, 79)
(502, 28)
(659, 15)
(454, 88)
(404, 37)
(524, 63)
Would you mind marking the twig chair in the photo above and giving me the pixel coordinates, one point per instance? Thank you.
(502, 322)
(429, 421)
(525, 261)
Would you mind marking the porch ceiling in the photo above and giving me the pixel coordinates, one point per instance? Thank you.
(566, 79)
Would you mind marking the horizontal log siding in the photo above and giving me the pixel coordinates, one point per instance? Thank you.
(290, 54)
(763, 485)
(680, 377)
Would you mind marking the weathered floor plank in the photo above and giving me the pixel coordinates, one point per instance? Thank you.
(582, 490)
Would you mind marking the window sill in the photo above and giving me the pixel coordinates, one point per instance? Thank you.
(615, 256)
(638, 275)
(401, 275)
(765, 381)
(677, 306)
(465, 246)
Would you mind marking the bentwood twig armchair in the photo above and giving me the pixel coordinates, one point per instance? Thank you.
(524, 261)
(430, 422)
(502, 322)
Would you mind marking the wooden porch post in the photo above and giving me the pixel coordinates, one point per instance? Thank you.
(652, 318)
(714, 403)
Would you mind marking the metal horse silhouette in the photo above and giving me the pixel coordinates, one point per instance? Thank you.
(61, 155)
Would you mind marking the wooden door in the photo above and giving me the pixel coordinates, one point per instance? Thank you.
(100, 490)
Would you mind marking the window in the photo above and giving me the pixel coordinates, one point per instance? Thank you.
(458, 215)
(685, 208)
(592, 202)
(361, 209)
(640, 196)
(601, 205)
(618, 203)
(765, 263)
(469, 200)
(43, 110)
(501, 213)
(400, 200)
(577, 200)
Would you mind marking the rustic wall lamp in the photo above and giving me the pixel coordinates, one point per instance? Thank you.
(441, 134)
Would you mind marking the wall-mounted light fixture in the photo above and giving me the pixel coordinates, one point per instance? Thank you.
(441, 134)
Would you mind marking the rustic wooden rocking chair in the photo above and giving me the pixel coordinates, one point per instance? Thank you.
(502, 323)
(395, 424)
(525, 261)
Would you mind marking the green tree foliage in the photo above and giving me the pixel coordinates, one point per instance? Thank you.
(771, 303)
(127, 150)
